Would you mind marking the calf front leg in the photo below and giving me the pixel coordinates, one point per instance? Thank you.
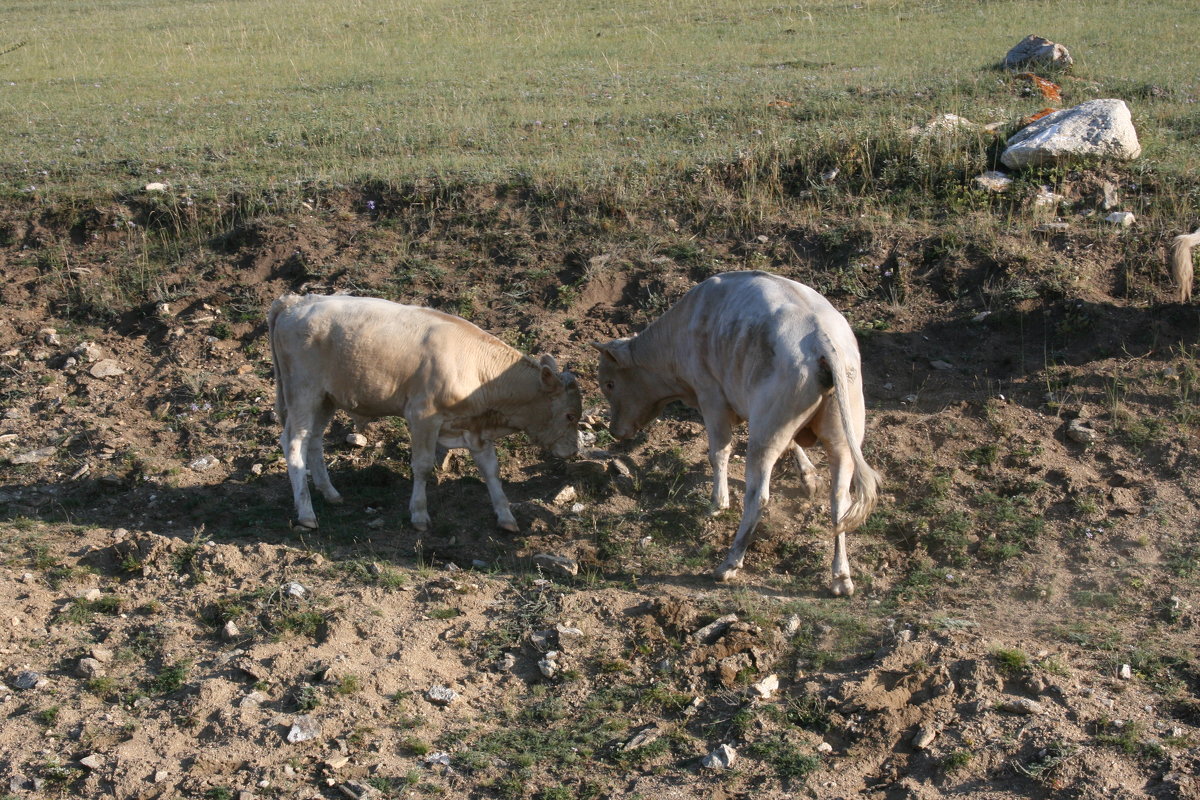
(424, 445)
(484, 453)
(760, 461)
(719, 427)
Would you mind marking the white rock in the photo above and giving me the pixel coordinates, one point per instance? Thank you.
(34, 456)
(567, 566)
(293, 589)
(766, 687)
(993, 181)
(942, 125)
(161, 775)
(157, 186)
(204, 463)
(567, 494)
(824, 747)
(230, 631)
(924, 737)
(92, 761)
(441, 695)
(1097, 128)
(941, 365)
(1079, 431)
(356, 440)
(304, 727)
(1047, 197)
(723, 757)
(548, 664)
(1037, 51)
(714, 629)
(1125, 673)
(1122, 218)
(106, 368)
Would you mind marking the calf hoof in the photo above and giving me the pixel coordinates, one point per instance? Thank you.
(510, 526)
(308, 523)
(725, 573)
(421, 523)
(843, 587)
(334, 499)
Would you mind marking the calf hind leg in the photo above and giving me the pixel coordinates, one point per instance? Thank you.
(295, 444)
(316, 455)
(760, 461)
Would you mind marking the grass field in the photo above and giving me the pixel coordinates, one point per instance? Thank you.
(106, 95)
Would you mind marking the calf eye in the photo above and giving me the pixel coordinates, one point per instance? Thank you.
(608, 387)
(571, 418)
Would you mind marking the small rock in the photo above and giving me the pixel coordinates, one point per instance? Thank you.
(230, 631)
(548, 664)
(1036, 685)
(1125, 673)
(942, 365)
(1021, 705)
(334, 764)
(359, 791)
(766, 687)
(356, 440)
(437, 759)
(824, 747)
(1053, 227)
(92, 761)
(160, 776)
(38, 456)
(89, 668)
(1047, 197)
(643, 737)
(924, 737)
(1122, 219)
(567, 635)
(993, 181)
(710, 632)
(1079, 431)
(256, 469)
(17, 783)
(723, 757)
(156, 186)
(792, 625)
(567, 494)
(1037, 51)
(106, 368)
(27, 680)
(252, 700)
(562, 564)
(49, 336)
(304, 727)
(441, 695)
(204, 463)
(293, 589)
(908, 399)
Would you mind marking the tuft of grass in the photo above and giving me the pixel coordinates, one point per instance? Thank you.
(954, 761)
(1011, 662)
(170, 678)
(784, 757)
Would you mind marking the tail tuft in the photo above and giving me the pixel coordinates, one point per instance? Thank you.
(1179, 262)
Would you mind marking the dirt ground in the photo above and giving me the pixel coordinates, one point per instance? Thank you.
(1025, 624)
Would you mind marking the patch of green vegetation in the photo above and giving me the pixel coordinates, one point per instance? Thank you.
(954, 761)
(785, 757)
(372, 573)
(306, 698)
(80, 611)
(448, 612)
(1129, 737)
(48, 716)
(1048, 761)
(170, 678)
(1011, 662)
(219, 793)
(665, 700)
(349, 684)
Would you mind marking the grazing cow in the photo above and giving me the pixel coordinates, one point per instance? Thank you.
(456, 385)
(1179, 262)
(761, 348)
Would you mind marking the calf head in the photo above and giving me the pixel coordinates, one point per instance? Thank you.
(552, 418)
(634, 395)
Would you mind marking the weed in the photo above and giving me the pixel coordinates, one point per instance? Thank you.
(349, 684)
(170, 678)
(306, 698)
(1011, 662)
(445, 613)
(1128, 737)
(785, 757)
(1047, 761)
(103, 687)
(954, 761)
(48, 716)
(219, 793)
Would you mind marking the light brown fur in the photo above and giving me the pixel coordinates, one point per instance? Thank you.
(1179, 262)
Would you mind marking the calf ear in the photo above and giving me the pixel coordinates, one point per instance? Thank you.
(548, 361)
(616, 351)
(550, 381)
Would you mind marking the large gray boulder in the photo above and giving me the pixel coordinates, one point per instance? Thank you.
(1037, 51)
(1097, 129)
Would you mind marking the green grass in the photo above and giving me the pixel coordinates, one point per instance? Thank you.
(223, 94)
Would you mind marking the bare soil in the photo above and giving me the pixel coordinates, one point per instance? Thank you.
(146, 506)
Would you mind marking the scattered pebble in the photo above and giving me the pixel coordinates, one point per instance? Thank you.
(356, 440)
(204, 463)
(441, 695)
(710, 632)
(1123, 219)
(1125, 673)
(304, 727)
(567, 494)
(27, 680)
(561, 564)
(723, 757)
(767, 687)
(106, 368)
(924, 737)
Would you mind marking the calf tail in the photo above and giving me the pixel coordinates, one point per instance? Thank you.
(1179, 262)
(278, 307)
(864, 485)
